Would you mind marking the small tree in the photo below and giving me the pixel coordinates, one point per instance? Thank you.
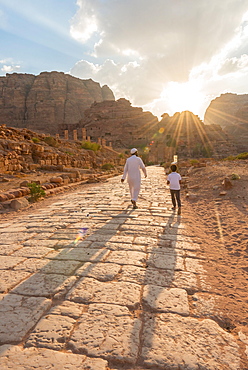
(36, 192)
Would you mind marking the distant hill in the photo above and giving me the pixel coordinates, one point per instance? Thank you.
(49, 102)
(230, 111)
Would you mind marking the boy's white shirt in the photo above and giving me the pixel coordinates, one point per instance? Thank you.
(174, 178)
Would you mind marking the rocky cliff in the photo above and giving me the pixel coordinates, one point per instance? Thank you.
(49, 102)
(185, 135)
(230, 111)
(117, 121)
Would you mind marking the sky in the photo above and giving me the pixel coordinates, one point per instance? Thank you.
(165, 56)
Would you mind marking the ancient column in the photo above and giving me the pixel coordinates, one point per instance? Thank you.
(84, 134)
(99, 141)
(66, 135)
(75, 135)
(104, 142)
(88, 138)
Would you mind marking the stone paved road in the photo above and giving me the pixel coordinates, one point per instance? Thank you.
(119, 299)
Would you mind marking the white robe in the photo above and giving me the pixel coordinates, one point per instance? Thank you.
(132, 171)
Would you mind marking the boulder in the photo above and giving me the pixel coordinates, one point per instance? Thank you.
(227, 184)
(19, 203)
(56, 180)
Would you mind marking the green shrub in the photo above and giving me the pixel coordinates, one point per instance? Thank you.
(35, 140)
(107, 166)
(36, 192)
(235, 176)
(239, 156)
(230, 158)
(51, 141)
(242, 156)
(90, 146)
(193, 162)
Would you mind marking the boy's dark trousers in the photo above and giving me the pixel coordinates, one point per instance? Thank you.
(175, 195)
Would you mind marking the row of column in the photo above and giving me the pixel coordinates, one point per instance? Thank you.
(100, 140)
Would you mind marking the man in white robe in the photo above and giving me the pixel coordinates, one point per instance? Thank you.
(132, 171)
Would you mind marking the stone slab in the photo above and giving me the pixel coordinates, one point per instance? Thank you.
(175, 342)
(89, 290)
(45, 285)
(108, 331)
(19, 314)
(127, 258)
(99, 271)
(165, 261)
(15, 357)
(52, 332)
(8, 262)
(80, 254)
(162, 299)
(10, 278)
(34, 251)
(8, 249)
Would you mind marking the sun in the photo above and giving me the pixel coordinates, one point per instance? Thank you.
(179, 97)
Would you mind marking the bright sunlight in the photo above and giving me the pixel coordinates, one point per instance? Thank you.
(179, 97)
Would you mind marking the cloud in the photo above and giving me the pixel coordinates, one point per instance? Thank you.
(8, 65)
(139, 47)
(8, 69)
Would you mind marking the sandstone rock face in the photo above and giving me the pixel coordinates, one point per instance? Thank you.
(185, 135)
(49, 102)
(120, 123)
(230, 111)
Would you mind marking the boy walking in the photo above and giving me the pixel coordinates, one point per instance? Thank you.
(174, 180)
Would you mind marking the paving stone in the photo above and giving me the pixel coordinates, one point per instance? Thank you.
(32, 252)
(19, 314)
(14, 228)
(8, 262)
(14, 357)
(10, 238)
(185, 245)
(89, 290)
(118, 238)
(40, 243)
(8, 249)
(165, 261)
(194, 265)
(10, 278)
(45, 285)
(32, 264)
(61, 267)
(166, 300)
(108, 331)
(165, 250)
(127, 258)
(68, 308)
(124, 246)
(186, 280)
(172, 341)
(51, 332)
(99, 271)
(81, 254)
